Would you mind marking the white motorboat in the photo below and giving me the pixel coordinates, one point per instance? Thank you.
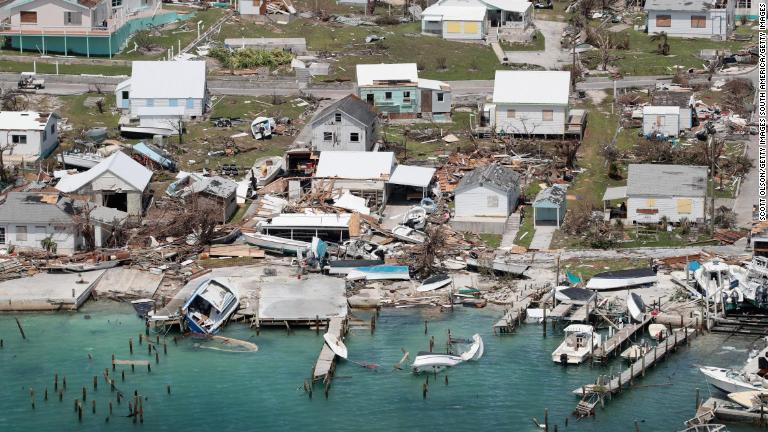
(580, 341)
(85, 160)
(622, 279)
(336, 345)
(262, 127)
(758, 267)
(634, 352)
(435, 362)
(265, 170)
(434, 282)
(408, 234)
(475, 350)
(209, 307)
(145, 131)
(658, 331)
(275, 243)
(720, 281)
(731, 381)
(635, 307)
(752, 400)
(415, 217)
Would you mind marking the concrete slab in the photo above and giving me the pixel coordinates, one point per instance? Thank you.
(128, 283)
(48, 291)
(542, 237)
(301, 299)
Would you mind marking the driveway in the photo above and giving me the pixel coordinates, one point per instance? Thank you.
(553, 56)
(542, 237)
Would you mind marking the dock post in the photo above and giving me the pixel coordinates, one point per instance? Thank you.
(544, 320)
(317, 324)
(697, 398)
(674, 346)
(642, 365)
(113, 362)
(654, 354)
(373, 324)
(546, 419)
(95, 383)
(56, 382)
(130, 345)
(631, 374)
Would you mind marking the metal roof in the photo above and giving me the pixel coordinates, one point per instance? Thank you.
(407, 175)
(554, 196)
(433, 84)
(167, 79)
(367, 74)
(667, 180)
(680, 5)
(31, 207)
(519, 6)
(215, 185)
(614, 193)
(298, 220)
(654, 110)
(683, 99)
(495, 176)
(351, 105)
(532, 87)
(455, 11)
(119, 164)
(23, 120)
(355, 165)
(579, 328)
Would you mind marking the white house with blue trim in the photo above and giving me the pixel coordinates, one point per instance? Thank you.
(156, 88)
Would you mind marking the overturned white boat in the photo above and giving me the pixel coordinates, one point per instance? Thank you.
(622, 279)
(580, 341)
(435, 362)
(636, 307)
(262, 127)
(278, 244)
(85, 160)
(336, 345)
(434, 282)
(409, 234)
(209, 307)
(731, 381)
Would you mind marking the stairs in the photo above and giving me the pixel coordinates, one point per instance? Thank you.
(586, 406)
(510, 231)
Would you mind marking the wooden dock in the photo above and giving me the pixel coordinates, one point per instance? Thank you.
(592, 394)
(325, 365)
(512, 318)
(617, 341)
(727, 411)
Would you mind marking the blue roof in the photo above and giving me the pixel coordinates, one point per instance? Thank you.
(552, 197)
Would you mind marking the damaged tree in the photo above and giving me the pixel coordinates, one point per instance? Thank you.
(431, 251)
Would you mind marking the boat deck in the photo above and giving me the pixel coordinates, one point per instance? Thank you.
(615, 342)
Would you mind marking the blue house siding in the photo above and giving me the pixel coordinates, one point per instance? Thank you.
(396, 103)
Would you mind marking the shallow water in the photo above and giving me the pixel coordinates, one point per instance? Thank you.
(213, 389)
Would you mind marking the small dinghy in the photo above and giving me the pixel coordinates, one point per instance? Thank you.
(336, 345)
(262, 127)
(434, 282)
(408, 234)
(635, 307)
(275, 243)
(658, 331)
(633, 353)
(210, 306)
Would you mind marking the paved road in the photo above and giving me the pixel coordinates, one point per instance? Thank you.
(748, 189)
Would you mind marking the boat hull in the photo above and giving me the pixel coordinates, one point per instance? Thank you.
(277, 243)
(622, 279)
(717, 377)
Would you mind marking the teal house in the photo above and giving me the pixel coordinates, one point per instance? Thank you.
(79, 27)
(397, 92)
(549, 207)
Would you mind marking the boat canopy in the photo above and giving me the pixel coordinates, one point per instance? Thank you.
(215, 294)
(579, 328)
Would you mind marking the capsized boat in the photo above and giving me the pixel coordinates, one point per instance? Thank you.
(636, 307)
(265, 170)
(731, 381)
(409, 234)
(86, 266)
(580, 341)
(209, 307)
(85, 160)
(262, 127)
(634, 352)
(227, 238)
(380, 272)
(622, 279)
(336, 345)
(143, 306)
(658, 331)
(434, 282)
(426, 361)
(275, 243)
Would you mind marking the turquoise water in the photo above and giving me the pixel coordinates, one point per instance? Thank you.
(513, 382)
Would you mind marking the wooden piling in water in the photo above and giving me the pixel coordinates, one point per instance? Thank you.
(21, 329)
(95, 383)
(84, 394)
(130, 345)
(45, 394)
(168, 388)
(93, 406)
(56, 382)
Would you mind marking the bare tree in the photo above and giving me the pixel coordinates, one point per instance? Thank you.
(8, 146)
(433, 249)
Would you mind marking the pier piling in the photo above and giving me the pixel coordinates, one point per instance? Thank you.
(130, 345)
(21, 329)
(55, 382)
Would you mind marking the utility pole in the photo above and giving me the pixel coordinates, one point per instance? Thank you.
(711, 143)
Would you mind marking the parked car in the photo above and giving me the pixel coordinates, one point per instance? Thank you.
(28, 81)
(543, 4)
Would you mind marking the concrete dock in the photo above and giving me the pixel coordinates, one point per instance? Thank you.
(48, 291)
(127, 283)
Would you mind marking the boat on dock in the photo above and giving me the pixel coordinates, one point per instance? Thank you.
(434, 282)
(720, 281)
(408, 234)
(380, 272)
(622, 279)
(336, 345)
(264, 170)
(580, 341)
(210, 306)
(658, 331)
(635, 307)
(278, 244)
(732, 381)
(635, 352)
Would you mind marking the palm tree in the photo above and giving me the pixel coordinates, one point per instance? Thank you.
(663, 42)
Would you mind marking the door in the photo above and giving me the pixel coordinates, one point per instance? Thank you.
(426, 101)
(369, 98)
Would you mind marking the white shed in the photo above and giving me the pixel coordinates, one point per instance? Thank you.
(161, 84)
(692, 18)
(455, 19)
(674, 191)
(33, 135)
(491, 190)
(531, 102)
(664, 120)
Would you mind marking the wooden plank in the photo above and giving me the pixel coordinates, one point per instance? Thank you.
(560, 310)
(620, 337)
(131, 362)
(240, 251)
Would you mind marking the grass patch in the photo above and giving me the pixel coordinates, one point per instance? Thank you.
(557, 13)
(525, 233)
(585, 269)
(492, 241)
(72, 69)
(83, 117)
(535, 44)
(662, 238)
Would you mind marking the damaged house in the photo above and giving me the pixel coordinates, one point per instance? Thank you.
(117, 182)
(217, 193)
(363, 174)
(484, 199)
(476, 19)
(715, 19)
(346, 125)
(673, 191)
(397, 92)
(27, 219)
(28, 135)
(669, 113)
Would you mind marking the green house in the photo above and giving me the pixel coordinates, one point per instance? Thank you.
(549, 207)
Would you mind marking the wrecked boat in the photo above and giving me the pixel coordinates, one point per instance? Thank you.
(275, 243)
(210, 306)
(262, 127)
(434, 282)
(622, 279)
(635, 307)
(433, 362)
(415, 218)
(264, 170)
(408, 234)
(346, 266)
(380, 272)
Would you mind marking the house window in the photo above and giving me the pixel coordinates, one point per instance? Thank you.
(173, 102)
(53, 128)
(388, 95)
(327, 136)
(18, 139)
(116, 3)
(337, 118)
(21, 233)
(28, 17)
(511, 113)
(698, 21)
(2, 235)
(493, 201)
(354, 137)
(72, 18)
(744, 4)
(190, 103)
(125, 95)
(663, 20)
(406, 96)
(661, 120)
(440, 97)
(547, 115)
(150, 102)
